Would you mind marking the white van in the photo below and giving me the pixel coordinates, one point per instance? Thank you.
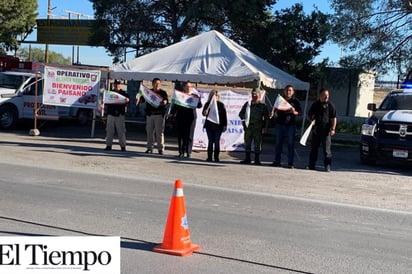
(17, 100)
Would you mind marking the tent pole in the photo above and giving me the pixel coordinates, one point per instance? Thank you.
(302, 129)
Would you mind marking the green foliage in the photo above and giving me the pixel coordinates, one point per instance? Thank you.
(38, 54)
(17, 19)
(376, 34)
(348, 127)
(289, 39)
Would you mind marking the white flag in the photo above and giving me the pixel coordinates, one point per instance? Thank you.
(304, 139)
(213, 115)
(281, 103)
(247, 114)
(150, 96)
(262, 96)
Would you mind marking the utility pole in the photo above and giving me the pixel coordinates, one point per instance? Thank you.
(46, 51)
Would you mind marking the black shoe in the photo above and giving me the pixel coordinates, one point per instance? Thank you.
(188, 155)
(258, 163)
(209, 160)
(311, 168)
(275, 164)
(327, 168)
(161, 152)
(217, 160)
(180, 155)
(123, 148)
(291, 166)
(245, 162)
(148, 151)
(108, 148)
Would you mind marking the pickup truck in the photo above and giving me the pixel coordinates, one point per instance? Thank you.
(17, 101)
(387, 134)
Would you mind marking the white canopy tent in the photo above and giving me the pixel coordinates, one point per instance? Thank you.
(209, 58)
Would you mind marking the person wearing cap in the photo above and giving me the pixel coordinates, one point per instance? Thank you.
(255, 117)
(116, 119)
(155, 119)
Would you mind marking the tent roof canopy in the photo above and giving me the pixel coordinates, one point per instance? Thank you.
(209, 58)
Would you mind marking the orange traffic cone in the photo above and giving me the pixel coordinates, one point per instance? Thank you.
(176, 239)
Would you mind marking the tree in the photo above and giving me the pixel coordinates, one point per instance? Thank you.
(17, 19)
(376, 33)
(149, 25)
(289, 39)
(38, 54)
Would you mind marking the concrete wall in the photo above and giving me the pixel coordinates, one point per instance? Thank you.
(350, 90)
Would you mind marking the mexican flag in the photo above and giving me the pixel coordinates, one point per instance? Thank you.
(185, 100)
(111, 97)
(150, 96)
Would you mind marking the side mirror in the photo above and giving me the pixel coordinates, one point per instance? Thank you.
(372, 106)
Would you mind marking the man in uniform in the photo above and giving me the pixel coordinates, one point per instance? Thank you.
(255, 116)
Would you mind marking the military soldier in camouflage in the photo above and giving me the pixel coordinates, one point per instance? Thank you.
(255, 116)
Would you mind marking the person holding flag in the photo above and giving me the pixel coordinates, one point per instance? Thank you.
(215, 124)
(116, 122)
(156, 100)
(255, 116)
(285, 109)
(184, 104)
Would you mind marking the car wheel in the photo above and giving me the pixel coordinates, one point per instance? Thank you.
(365, 160)
(8, 117)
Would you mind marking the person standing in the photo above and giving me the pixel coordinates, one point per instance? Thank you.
(323, 112)
(116, 119)
(215, 125)
(184, 119)
(255, 116)
(155, 119)
(286, 126)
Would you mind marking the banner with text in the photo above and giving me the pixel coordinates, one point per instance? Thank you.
(71, 87)
(232, 138)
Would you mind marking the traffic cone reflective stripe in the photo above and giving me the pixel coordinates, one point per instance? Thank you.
(176, 239)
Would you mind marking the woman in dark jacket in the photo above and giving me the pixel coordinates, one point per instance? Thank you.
(185, 120)
(215, 125)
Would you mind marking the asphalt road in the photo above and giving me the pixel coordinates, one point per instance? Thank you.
(247, 219)
(239, 231)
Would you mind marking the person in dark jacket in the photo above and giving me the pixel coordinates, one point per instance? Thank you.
(155, 119)
(255, 116)
(286, 126)
(184, 119)
(324, 114)
(116, 119)
(215, 125)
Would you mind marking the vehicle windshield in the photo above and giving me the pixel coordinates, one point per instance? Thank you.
(396, 102)
(11, 81)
